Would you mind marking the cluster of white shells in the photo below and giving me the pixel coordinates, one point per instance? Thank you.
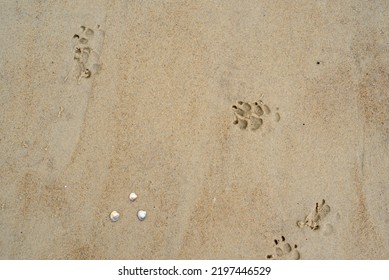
(141, 213)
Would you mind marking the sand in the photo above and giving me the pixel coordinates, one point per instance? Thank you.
(103, 98)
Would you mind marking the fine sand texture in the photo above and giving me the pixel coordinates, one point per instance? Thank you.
(248, 129)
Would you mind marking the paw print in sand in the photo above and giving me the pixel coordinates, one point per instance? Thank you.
(284, 251)
(85, 56)
(314, 219)
(251, 114)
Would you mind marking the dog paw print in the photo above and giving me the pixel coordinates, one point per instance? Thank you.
(314, 219)
(252, 115)
(284, 251)
(85, 57)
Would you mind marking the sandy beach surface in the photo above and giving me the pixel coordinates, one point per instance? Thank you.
(248, 129)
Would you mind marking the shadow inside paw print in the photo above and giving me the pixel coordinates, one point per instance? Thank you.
(251, 114)
(284, 251)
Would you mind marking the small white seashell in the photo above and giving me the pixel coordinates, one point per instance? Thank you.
(142, 215)
(114, 216)
(133, 196)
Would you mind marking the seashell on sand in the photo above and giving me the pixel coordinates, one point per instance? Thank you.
(141, 215)
(133, 196)
(114, 216)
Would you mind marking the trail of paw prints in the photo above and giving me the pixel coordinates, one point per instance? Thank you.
(252, 115)
(284, 251)
(315, 218)
(85, 56)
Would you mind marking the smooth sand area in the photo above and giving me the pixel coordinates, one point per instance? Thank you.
(248, 129)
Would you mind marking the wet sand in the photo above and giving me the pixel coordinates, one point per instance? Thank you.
(103, 98)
